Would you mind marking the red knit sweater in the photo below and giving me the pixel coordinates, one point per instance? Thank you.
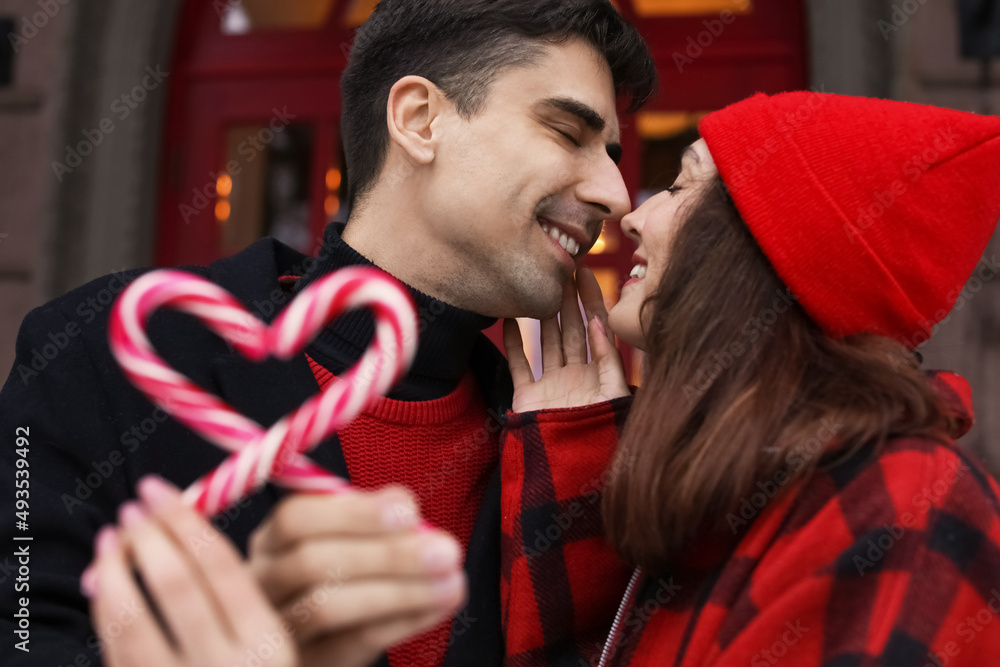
(440, 450)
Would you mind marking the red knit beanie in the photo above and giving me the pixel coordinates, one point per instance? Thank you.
(873, 213)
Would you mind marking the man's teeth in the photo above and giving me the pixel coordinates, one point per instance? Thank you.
(568, 244)
(639, 272)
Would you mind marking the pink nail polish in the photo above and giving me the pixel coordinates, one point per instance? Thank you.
(106, 541)
(131, 514)
(156, 492)
(440, 554)
(398, 511)
(600, 326)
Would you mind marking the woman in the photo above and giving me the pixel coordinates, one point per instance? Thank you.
(787, 484)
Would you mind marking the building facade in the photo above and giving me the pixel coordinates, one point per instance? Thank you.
(163, 132)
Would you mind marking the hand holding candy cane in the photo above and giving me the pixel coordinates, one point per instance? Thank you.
(379, 600)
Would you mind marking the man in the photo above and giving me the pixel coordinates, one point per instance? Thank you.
(481, 140)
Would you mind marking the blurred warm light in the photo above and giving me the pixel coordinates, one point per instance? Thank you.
(333, 179)
(638, 365)
(610, 282)
(607, 243)
(332, 205)
(224, 185)
(665, 124)
(242, 16)
(222, 211)
(690, 7)
(359, 12)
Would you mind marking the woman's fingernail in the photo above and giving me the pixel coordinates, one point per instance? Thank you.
(448, 589)
(157, 492)
(88, 582)
(131, 514)
(440, 553)
(106, 541)
(600, 325)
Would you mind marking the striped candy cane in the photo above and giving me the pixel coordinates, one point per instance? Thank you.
(278, 453)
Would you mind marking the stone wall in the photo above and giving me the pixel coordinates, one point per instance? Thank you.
(909, 50)
(29, 109)
(929, 70)
(80, 135)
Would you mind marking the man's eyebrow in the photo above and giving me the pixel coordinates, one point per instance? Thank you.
(589, 116)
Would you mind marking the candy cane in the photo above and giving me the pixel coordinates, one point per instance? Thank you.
(278, 453)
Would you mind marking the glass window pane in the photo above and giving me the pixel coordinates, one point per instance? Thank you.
(239, 17)
(690, 7)
(264, 186)
(335, 204)
(664, 137)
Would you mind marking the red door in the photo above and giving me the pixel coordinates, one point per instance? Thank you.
(252, 147)
(252, 144)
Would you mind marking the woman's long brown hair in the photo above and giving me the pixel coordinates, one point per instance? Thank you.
(743, 394)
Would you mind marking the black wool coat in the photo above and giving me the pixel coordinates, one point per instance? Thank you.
(90, 435)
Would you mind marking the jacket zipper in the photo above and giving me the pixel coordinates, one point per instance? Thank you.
(617, 625)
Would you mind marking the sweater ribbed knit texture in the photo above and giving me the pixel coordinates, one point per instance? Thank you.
(430, 434)
(442, 452)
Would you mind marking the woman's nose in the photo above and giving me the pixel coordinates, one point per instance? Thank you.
(632, 225)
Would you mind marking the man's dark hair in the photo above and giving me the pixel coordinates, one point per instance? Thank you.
(462, 46)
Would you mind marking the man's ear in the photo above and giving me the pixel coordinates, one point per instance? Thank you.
(414, 104)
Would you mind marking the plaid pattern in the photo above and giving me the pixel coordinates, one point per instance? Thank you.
(888, 560)
(561, 581)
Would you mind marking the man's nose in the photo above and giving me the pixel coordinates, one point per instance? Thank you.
(604, 188)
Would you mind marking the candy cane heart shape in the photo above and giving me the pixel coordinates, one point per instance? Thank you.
(278, 453)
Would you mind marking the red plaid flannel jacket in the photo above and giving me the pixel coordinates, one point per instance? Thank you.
(889, 560)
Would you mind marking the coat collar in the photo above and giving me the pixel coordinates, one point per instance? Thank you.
(956, 395)
(270, 390)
